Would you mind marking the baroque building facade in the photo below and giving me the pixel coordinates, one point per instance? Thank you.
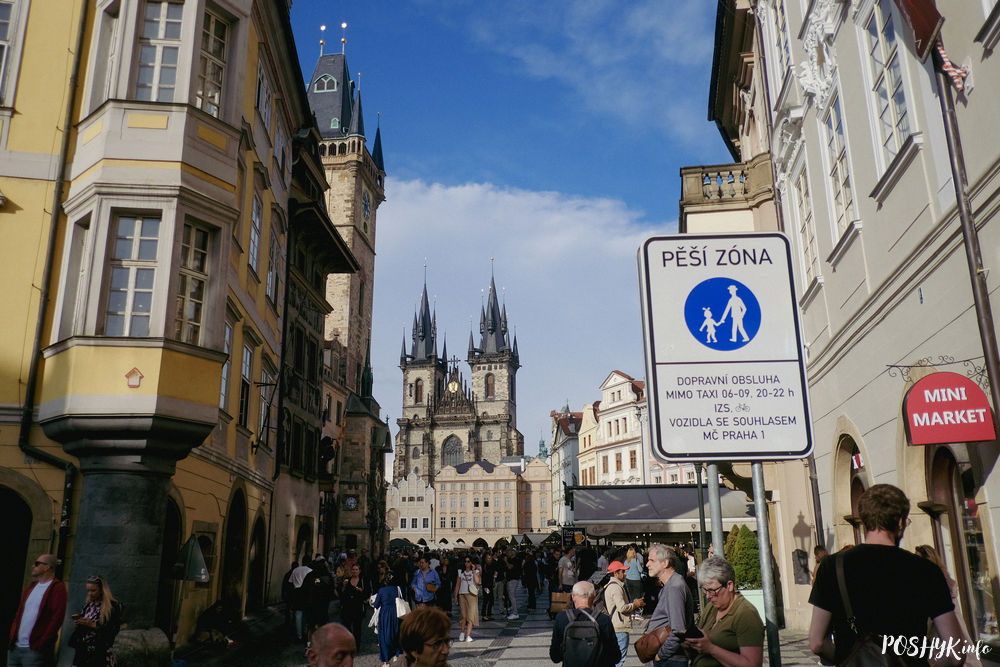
(448, 420)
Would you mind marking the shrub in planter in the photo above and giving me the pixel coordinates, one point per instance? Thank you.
(746, 560)
(730, 546)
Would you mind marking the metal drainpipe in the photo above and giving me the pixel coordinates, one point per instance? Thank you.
(811, 459)
(23, 439)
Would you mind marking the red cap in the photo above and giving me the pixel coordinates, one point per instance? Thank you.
(616, 566)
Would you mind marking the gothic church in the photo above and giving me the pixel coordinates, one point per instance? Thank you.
(448, 420)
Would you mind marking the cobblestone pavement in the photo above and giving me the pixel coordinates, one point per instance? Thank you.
(499, 642)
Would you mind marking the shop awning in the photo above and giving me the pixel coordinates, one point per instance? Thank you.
(673, 508)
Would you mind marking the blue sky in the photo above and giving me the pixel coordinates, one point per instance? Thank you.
(547, 135)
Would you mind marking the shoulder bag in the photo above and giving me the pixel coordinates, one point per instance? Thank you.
(402, 606)
(867, 650)
(647, 646)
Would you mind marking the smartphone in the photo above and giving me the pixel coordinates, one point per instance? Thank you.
(75, 616)
(693, 633)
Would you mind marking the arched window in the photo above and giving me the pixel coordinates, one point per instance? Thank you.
(416, 452)
(418, 394)
(322, 150)
(490, 385)
(325, 84)
(451, 451)
(342, 150)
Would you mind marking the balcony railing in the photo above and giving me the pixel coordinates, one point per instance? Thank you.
(722, 183)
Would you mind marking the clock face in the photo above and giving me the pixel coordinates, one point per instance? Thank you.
(366, 205)
(453, 386)
(351, 502)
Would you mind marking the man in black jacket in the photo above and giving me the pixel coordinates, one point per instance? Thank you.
(583, 601)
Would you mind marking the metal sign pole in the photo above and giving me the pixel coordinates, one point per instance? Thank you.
(766, 573)
(702, 541)
(715, 508)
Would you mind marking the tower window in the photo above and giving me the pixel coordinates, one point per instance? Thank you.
(334, 124)
(325, 84)
(490, 385)
(418, 394)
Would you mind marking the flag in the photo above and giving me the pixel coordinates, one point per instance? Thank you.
(856, 462)
(925, 23)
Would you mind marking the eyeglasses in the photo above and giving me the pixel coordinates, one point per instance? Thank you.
(712, 592)
(437, 644)
(42, 562)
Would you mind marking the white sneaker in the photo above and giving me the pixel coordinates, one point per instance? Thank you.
(461, 637)
(468, 638)
(513, 617)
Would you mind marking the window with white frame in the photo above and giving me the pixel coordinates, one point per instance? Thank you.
(841, 190)
(496, 521)
(453, 522)
(265, 98)
(324, 84)
(132, 273)
(475, 522)
(443, 520)
(193, 286)
(461, 522)
(782, 45)
(413, 522)
(887, 80)
(402, 523)
(807, 228)
(253, 256)
(212, 64)
(427, 523)
(267, 376)
(227, 344)
(159, 46)
(506, 522)
(246, 382)
(6, 35)
(273, 257)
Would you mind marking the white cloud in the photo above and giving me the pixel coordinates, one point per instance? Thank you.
(567, 267)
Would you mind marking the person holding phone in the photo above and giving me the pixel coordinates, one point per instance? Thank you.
(619, 608)
(733, 631)
(97, 625)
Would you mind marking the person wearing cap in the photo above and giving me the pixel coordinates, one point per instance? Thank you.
(618, 605)
(39, 616)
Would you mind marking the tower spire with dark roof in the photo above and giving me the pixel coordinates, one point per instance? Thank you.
(377, 148)
(424, 331)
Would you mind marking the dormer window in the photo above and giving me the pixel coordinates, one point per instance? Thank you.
(324, 84)
(334, 123)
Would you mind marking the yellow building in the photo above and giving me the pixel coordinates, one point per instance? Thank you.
(149, 207)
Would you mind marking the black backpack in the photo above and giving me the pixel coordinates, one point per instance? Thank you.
(581, 639)
(601, 603)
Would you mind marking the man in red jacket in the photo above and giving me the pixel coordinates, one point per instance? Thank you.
(40, 615)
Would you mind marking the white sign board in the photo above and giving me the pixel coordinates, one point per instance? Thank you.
(726, 379)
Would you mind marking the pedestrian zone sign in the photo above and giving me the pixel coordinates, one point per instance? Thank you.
(726, 379)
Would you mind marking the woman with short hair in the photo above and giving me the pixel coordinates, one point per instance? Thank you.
(425, 639)
(732, 629)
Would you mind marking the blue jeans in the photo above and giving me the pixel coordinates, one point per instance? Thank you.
(300, 627)
(25, 657)
(672, 662)
(622, 638)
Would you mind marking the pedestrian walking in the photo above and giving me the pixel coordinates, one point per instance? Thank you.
(319, 592)
(575, 631)
(514, 573)
(388, 622)
(487, 592)
(445, 593)
(466, 595)
(618, 606)
(297, 599)
(919, 591)
(529, 577)
(674, 606)
(425, 583)
(633, 576)
(39, 616)
(96, 626)
(287, 592)
(567, 571)
(353, 594)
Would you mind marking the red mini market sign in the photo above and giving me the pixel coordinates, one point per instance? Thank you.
(947, 407)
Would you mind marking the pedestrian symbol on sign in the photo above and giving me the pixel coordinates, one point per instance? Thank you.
(738, 314)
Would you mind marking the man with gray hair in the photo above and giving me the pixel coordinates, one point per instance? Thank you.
(572, 644)
(675, 606)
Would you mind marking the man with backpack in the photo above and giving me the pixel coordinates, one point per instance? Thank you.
(581, 637)
(618, 606)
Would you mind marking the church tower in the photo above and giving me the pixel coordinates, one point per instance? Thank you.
(447, 420)
(357, 181)
(494, 363)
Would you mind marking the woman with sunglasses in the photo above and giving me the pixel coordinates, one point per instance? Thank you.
(733, 634)
(467, 596)
(425, 638)
(97, 626)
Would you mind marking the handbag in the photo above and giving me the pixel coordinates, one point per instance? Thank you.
(867, 650)
(402, 606)
(647, 646)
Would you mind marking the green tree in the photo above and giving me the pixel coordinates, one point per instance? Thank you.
(746, 559)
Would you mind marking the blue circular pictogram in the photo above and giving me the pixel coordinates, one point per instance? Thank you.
(722, 314)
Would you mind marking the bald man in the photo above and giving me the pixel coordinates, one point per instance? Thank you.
(332, 646)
